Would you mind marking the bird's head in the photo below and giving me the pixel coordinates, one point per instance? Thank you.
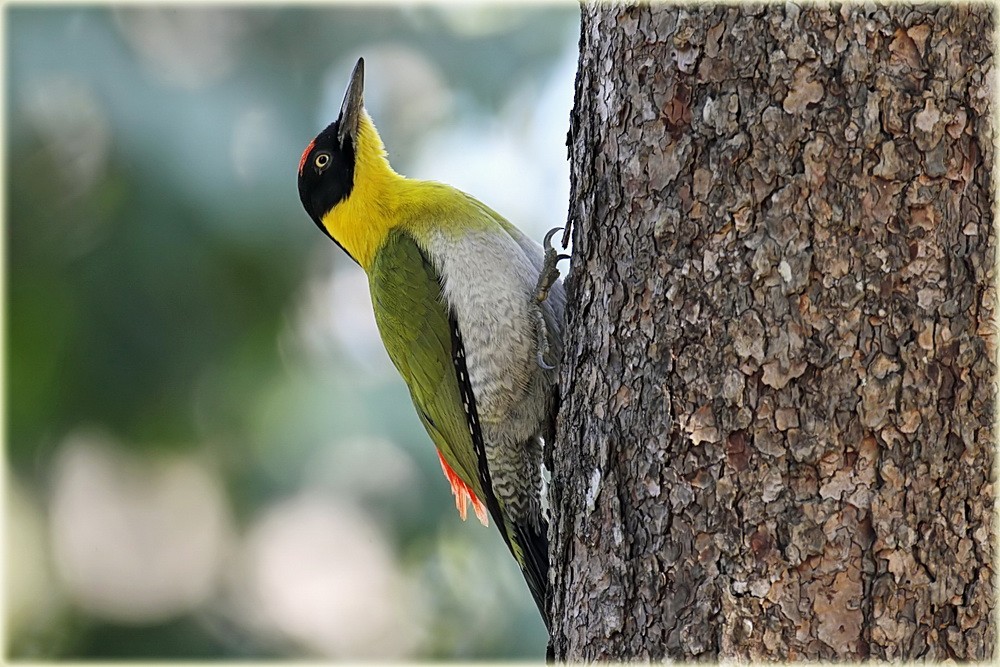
(326, 168)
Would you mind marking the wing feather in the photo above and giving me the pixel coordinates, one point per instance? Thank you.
(415, 328)
(424, 342)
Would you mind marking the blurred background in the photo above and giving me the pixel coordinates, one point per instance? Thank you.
(208, 453)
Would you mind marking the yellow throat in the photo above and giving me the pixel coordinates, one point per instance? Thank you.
(361, 222)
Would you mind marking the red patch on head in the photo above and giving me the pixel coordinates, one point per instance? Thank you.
(305, 155)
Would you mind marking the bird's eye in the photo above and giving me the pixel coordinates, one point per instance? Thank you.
(322, 161)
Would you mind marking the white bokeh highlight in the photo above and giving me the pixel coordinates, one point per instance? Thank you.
(187, 47)
(319, 571)
(135, 541)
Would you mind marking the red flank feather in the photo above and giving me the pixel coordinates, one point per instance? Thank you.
(463, 494)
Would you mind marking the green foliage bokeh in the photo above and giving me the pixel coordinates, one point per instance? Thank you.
(155, 268)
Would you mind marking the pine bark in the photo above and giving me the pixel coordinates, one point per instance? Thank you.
(776, 438)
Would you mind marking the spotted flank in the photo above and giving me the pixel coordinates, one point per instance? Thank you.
(472, 419)
(528, 543)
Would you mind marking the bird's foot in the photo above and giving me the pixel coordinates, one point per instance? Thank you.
(546, 278)
(542, 336)
(550, 267)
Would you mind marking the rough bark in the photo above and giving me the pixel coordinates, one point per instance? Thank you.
(776, 439)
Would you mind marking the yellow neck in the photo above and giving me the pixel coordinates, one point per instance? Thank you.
(362, 221)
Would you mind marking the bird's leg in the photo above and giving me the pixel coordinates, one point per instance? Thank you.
(546, 278)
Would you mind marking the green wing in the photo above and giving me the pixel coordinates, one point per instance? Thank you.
(418, 335)
(425, 344)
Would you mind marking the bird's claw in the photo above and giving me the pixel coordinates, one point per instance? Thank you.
(546, 278)
(543, 363)
(542, 338)
(547, 241)
(550, 266)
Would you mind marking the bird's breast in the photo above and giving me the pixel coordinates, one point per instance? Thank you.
(488, 283)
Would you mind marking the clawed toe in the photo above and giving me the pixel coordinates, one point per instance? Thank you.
(542, 363)
(547, 277)
(547, 241)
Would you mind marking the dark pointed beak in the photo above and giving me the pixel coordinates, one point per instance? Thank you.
(350, 110)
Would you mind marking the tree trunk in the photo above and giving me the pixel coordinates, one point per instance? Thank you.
(776, 437)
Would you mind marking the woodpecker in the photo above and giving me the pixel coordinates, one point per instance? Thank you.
(470, 311)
